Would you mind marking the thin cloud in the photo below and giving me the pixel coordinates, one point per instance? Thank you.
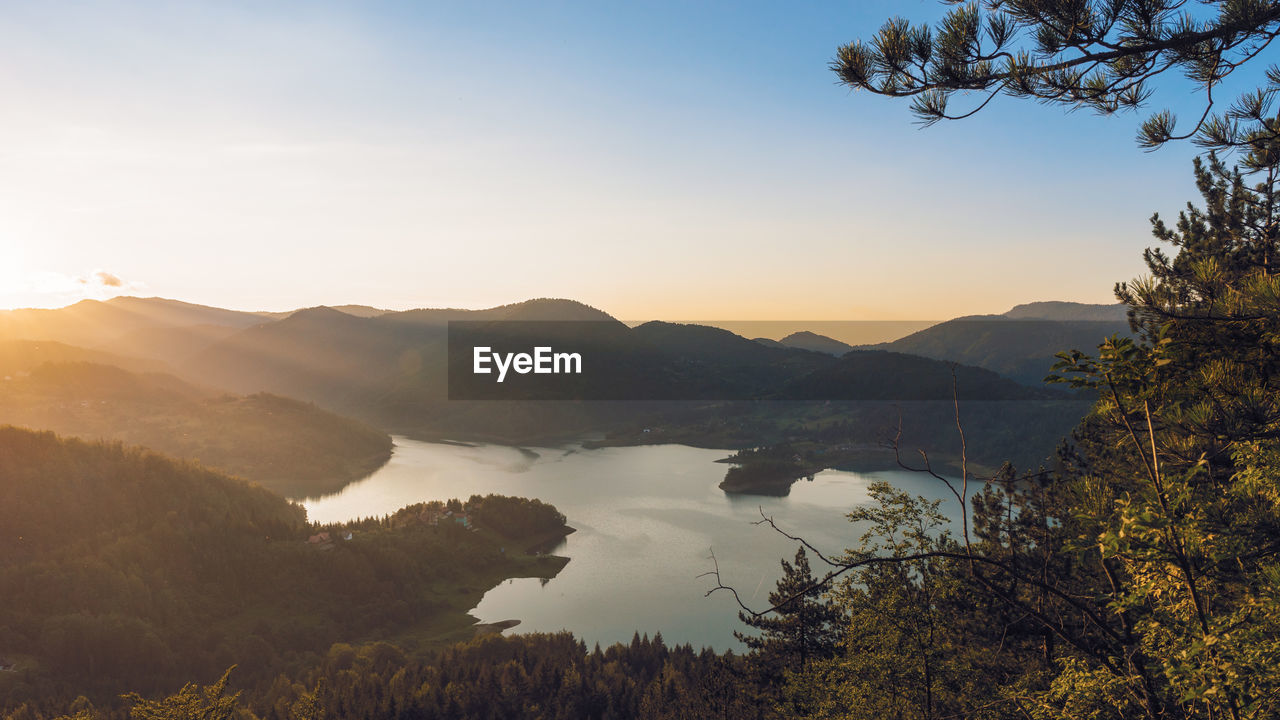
(55, 289)
(103, 278)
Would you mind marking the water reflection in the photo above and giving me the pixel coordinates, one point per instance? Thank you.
(647, 519)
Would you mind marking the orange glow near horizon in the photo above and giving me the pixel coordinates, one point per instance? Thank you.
(239, 158)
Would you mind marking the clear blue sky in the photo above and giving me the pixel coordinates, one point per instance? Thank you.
(656, 159)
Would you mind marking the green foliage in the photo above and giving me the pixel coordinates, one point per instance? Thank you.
(912, 647)
(803, 628)
(764, 475)
(515, 517)
(192, 702)
(1142, 577)
(122, 569)
(1097, 54)
(1183, 439)
(531, 677)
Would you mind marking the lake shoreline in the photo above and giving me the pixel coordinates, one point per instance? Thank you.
(643, 519)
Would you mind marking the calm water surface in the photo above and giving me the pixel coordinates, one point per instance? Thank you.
(647, 519)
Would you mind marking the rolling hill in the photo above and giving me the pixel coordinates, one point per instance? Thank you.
(107, 324)
(121, 569)
(806, 340)
(291, 447)
(1020, 344)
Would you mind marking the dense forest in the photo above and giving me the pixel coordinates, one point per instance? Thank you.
(123, 569)
(492, 677)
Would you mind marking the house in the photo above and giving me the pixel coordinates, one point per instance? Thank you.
(462, 519)
(319, 539)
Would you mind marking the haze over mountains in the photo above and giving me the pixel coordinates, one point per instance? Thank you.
(1019, 344)
(343, 356)
(101, 324)
(389, 368)
(153, 327)
(291, 447)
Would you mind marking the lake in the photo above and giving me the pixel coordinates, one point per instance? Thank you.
(647, 520)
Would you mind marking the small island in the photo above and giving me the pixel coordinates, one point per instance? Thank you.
(773, 469)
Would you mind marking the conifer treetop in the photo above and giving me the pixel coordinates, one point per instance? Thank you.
(1098, 54)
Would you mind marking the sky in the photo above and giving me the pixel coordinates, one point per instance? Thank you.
(657, 160)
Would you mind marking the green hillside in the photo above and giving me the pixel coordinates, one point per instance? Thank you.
(122, 569)
(291, 447)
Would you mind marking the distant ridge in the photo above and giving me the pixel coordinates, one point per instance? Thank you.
(359, 357)
(535, 309)
(177, 312)
(174, 332)
(806, 340)
(100, 324)
(361, 310)
(1021, 343)
(1069, 311)
(548, 309)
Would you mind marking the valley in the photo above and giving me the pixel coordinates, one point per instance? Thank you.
(351, 412)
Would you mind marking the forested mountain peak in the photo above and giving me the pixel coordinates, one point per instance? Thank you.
(1069, 311)
(806, 340)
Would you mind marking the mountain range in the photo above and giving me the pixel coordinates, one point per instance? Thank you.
(390, 369)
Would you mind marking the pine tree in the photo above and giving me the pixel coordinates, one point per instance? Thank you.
(192, 702)
(1097, 54)
(803, 627)
(1178, 462)
(1142, 577)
